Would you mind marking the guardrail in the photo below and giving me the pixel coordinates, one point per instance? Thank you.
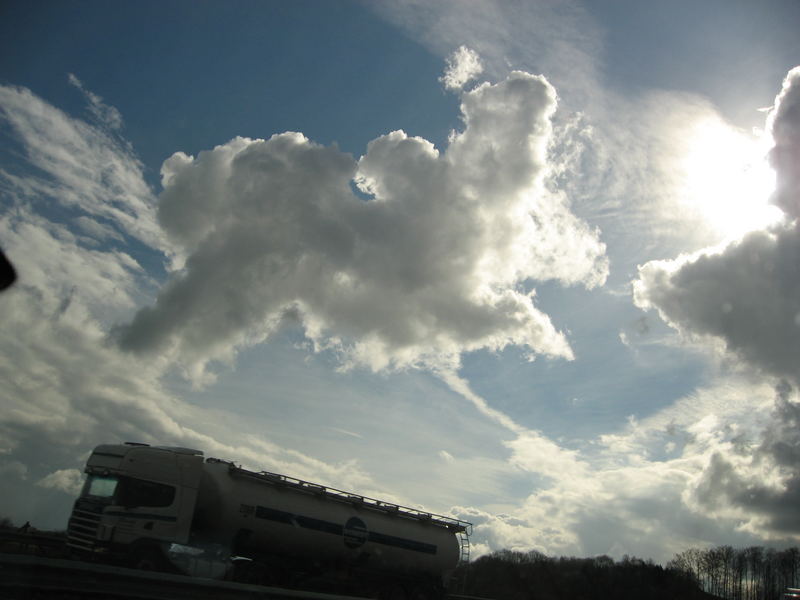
(29, 577)
(39, 543)
(308, 487)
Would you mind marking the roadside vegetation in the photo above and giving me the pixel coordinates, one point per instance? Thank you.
(509, 575)
(753, 573)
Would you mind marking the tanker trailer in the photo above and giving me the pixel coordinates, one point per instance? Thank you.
(171, 509)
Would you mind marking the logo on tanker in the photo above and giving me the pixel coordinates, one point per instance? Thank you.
(355, 532)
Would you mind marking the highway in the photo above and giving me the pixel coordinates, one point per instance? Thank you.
(37, 577)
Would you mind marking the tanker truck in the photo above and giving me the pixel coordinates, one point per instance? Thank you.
(172, 509)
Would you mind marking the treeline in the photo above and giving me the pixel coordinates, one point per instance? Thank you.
(752, 573)
(509, 575)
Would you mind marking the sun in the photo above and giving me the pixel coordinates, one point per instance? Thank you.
(727, 179)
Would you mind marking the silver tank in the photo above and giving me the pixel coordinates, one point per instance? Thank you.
(276, 514)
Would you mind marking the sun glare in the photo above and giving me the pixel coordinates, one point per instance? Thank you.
(727, 178)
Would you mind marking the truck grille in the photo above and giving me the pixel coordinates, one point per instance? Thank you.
(82, 528)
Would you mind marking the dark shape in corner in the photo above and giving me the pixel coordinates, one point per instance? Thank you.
(7, 273)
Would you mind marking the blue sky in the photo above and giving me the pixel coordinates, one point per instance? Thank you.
(560, 303)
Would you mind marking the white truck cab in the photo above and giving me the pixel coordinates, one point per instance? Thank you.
(135, 497)
(163, 508)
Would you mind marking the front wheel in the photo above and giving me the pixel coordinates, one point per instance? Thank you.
(148, 558)
(395, 591)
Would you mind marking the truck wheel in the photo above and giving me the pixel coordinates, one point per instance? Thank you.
(394, 592)
(148, 558)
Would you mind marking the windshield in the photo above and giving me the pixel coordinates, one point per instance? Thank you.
(101, 486)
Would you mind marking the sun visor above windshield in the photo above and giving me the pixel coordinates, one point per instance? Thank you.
(106, 456)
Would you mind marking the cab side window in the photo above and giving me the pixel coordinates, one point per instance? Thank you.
(137, 492)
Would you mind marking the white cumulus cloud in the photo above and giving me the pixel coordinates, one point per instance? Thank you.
(437, 261)
(463, 66)
(66, 480)
(86, 167)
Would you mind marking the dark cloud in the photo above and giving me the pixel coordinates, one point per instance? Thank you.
(764, 486)
(748, 294)
(785, 156)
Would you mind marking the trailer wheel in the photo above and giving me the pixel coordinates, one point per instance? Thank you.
(421, 593)
(427, 591)
(394, 591)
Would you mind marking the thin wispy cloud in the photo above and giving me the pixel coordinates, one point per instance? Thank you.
(105, 114)
(84, 166)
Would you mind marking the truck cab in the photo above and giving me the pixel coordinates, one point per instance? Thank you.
(136, 498)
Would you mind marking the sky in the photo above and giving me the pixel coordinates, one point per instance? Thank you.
(530, 264)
